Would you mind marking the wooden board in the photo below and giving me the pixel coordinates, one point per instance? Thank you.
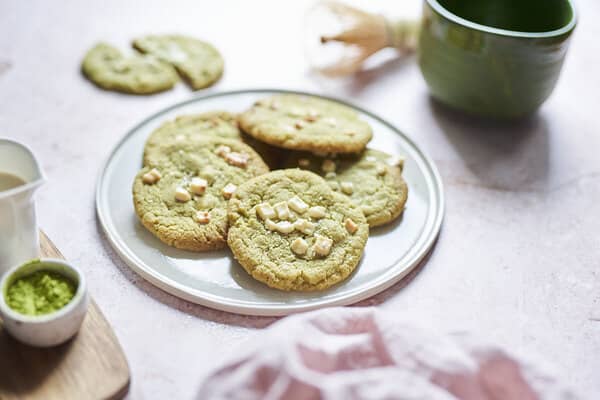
(90, 366)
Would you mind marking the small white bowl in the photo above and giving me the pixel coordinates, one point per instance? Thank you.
(49, 329)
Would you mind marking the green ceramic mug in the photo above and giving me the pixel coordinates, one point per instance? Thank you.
(496, 58)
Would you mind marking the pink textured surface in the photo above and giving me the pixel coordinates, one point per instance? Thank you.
(517, 259)
(365, 353)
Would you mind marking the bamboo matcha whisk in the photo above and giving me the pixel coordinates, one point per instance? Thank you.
(341, 37)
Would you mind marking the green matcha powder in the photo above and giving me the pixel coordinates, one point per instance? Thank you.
(40, 293)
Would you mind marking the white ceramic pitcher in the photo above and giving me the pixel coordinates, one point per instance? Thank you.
(19, 237)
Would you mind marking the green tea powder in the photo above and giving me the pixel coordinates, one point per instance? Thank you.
(42, 292)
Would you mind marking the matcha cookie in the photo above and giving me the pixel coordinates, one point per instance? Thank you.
(109, 69)
(183, 200)
(306, 123)
(289, 230)
(198, 62)
(372, 180)
(186, 128)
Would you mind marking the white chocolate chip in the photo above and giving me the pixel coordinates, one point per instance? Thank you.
(304, 162)
(347, 187)
(182, 195)
(202, 217)
(272, 226)
(148, 178)
(299, 246)
(282, 210)
(265, 211)
(151, 177)
(323, 245)
(330, 175)
(304, 226)
(328, 166)
(198, 185)
(285, 227)
(381, 169)
(222, 150)
(351, 226)
(317, 212)
(237, 159)
(228, 190)
(297, 204)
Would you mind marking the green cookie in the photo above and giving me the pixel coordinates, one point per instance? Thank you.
(372, 180)
(288, 229)
(186, 128)
(183, 200)
(109, 69)
(198, 62)
(306, 123)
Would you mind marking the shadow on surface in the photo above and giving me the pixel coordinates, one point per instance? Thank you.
(25, 368)
(390, 292)
(223, 317)
(355, 83)
(179, 304)
(501, 155)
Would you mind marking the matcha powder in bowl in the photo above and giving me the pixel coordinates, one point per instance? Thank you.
(40, 293)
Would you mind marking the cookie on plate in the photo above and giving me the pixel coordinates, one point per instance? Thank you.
(189, 127)
(372, 180)
(290, 230)
(109, 69)
(306, 123)
(198, 62)
(183, 200)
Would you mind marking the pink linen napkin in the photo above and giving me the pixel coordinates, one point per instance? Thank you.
(365, 353)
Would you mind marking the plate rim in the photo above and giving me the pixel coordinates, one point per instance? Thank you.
(412, 258)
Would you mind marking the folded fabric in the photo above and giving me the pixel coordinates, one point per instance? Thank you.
(364, 353)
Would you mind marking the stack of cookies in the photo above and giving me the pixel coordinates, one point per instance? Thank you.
(206, 184)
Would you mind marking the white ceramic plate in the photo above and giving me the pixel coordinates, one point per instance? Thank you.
(215, 279)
